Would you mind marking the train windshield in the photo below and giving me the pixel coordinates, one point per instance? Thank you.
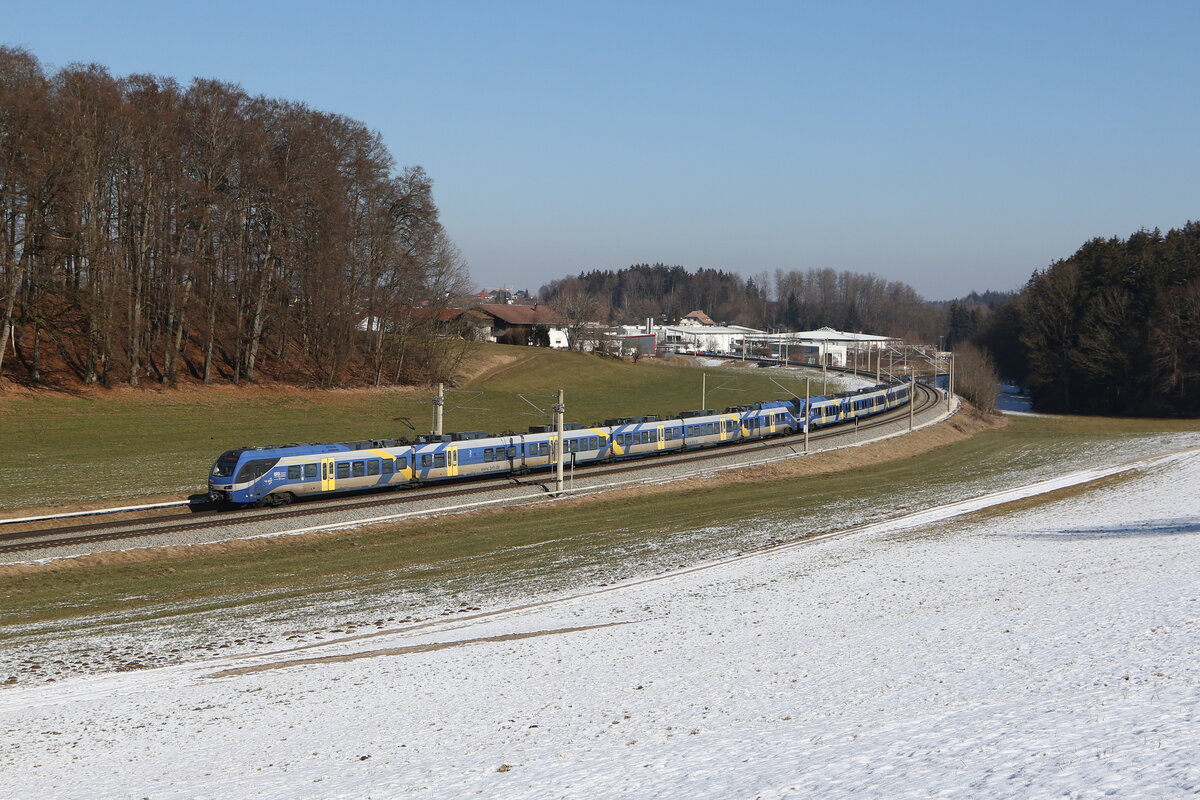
(226, 464)
(253, 470)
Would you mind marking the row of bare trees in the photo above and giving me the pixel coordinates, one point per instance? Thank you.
(150, 230)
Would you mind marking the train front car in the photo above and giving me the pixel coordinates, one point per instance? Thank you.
(235, 476)
(278, 475)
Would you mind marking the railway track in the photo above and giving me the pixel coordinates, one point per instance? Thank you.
(49, 538)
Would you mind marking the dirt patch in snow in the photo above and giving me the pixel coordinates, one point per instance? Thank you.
(400, 651)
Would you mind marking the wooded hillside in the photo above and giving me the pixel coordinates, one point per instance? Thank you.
(1114, 329)
(153, 232)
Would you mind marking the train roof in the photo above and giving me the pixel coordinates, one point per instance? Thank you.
(314, 448)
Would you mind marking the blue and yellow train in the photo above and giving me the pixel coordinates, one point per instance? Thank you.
(279, 475)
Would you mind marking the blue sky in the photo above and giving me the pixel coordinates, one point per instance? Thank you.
(950, 145)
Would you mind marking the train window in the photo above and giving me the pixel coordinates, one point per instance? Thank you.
(253, 470)
(489, 454)
(439, 459)
(373, 466)
(360, 469)
(310, 470)
(294, 473)
(595, 441)
(511, 452)
(426, 460)
(389, 466)
(343, 469)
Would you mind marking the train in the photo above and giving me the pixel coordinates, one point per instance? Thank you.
(277, 475)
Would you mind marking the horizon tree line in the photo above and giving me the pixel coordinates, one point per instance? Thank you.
(795, 300)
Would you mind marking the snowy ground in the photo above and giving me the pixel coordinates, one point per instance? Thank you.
(1042, 653)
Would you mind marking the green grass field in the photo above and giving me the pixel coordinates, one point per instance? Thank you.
(105, 438)
(125, 445)
(558, 545)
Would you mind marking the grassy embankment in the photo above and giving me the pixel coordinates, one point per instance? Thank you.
(120, 445)
(581, 537)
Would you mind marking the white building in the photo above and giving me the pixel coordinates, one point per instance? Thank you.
(691, 335)
(838, 347)
(695, 337)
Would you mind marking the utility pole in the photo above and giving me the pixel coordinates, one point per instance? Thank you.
(878, 364)
(950, 382)
(912, 401)
(807, 412)
(439, 402)
(703, 388)
(559, 409)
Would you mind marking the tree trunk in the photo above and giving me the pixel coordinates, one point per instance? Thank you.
(209, 336)
(10, 303)
(35, 372)
(260, 302)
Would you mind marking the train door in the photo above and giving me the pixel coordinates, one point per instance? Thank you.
(553, 449)
(328, 481)
(662, 441)
(451, 461)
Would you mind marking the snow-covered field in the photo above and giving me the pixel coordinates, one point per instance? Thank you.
(1050, 652)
